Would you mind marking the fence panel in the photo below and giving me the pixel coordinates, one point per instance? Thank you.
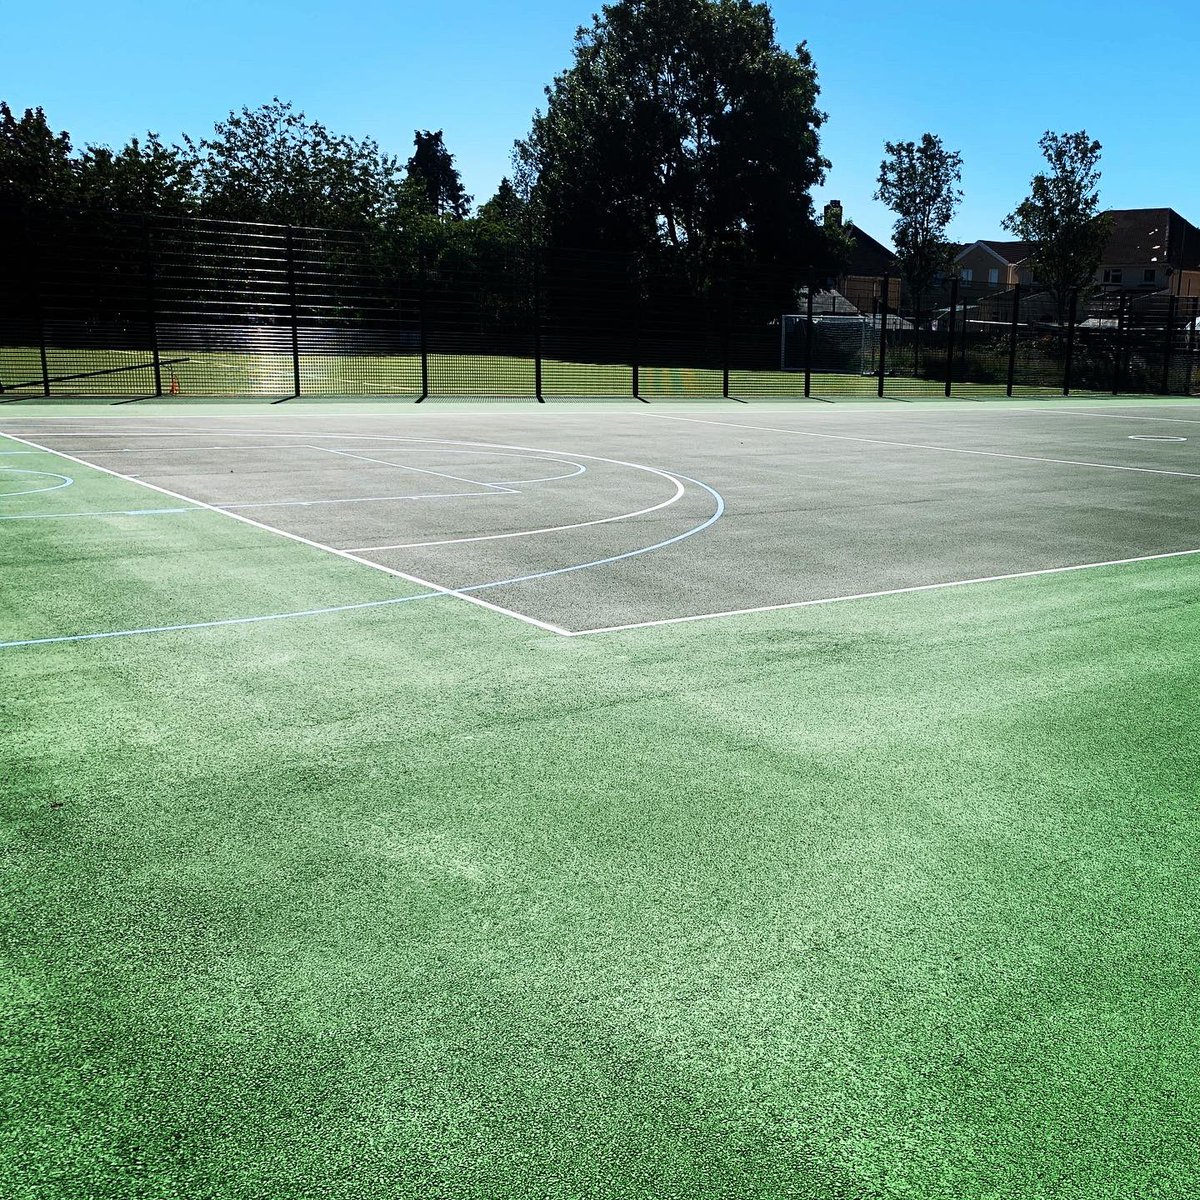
(130, 307)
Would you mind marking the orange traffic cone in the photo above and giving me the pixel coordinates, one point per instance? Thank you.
(174, 384)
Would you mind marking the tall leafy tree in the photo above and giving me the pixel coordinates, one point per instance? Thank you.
(274, 164)
(143, 177)
(682, 127)
(431, 169)
(919, 182)
(1061, 216)
(37, 169)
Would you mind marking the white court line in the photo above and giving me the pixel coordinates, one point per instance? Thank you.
(295, 537)
(580, 469)
(353, 500)
(845, 437)
(922, 587)
(406, 467)
(497, 537)
(1083, 412)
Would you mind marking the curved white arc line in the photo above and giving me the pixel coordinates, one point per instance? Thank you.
(718, 513)
(66, 482)
(496, 537)
(294, 537)
(580, 470)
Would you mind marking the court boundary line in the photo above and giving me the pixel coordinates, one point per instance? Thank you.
(845, 437)
(1100, 412)
(213, 624)
(295, 537)
(114, 512)
(921, 587)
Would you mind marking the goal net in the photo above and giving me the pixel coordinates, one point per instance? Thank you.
(841, 345)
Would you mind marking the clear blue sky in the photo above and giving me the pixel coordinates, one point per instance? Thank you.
(989, 79)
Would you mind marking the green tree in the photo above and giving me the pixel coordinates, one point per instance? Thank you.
(274, 164)
(144, 177)
(1061, 217)
(37, 171)
(431, 168)
(682, 127)
(919, 183)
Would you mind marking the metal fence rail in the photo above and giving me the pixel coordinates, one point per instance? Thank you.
(157, 307)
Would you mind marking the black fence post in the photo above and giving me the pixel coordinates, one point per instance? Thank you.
(1169, 337)
(1191, 347)
(1012, 340)
(950, 334)
(1120, 348)
(39, 307)
(883, 321)
(808, 343)
(291, 277)
(1070, 361)
(726, 320)
(152, 304)
(635, 313)
(537, 329)
(423, 326)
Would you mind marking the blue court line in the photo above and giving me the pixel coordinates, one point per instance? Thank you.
(117, 512)
(478, 587)
(66, 481)
(304, 612)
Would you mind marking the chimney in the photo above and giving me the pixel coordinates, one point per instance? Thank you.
(833, 213)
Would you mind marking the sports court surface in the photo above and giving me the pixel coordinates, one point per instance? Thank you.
(602, 800)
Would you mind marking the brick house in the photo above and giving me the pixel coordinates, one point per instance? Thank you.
(1151, 250)
(870, 260)
(996, 264)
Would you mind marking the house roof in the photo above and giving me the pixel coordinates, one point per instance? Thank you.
(1152, 235)
(1011, 252)
(869, 257)
(830, 302)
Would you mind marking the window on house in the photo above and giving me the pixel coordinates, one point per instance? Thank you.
(1149, 275)
(1112, 274)
(966, 274)
(993, 274)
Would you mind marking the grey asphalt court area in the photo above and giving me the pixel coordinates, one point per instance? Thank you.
(598, 518)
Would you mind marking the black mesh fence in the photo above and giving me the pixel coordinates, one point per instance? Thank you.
(128, 307)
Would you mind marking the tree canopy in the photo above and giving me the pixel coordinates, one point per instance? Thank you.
(1061, 216)
(684, 127)
(36, 166)
(432, 171)
(919, 183)
(274, 164)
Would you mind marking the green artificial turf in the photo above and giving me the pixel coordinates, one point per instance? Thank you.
(893, 898)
